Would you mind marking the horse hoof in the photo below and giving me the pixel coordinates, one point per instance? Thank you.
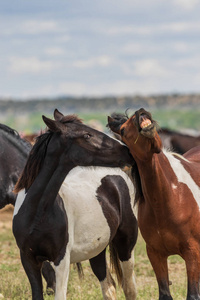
(50, 291)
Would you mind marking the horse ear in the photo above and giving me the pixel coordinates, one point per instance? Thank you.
(53, 125)
(114, 125)
(57, 115)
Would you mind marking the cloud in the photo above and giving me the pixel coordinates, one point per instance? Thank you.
(54, 51)
(99, 61)
(30, 27)
(157, 29)
(22, 65)
(37, 26)
(148, 68)
(118, 87)
(187, 4)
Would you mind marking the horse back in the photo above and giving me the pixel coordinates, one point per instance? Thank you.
(193, 154)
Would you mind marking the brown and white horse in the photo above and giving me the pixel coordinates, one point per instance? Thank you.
(169, 200)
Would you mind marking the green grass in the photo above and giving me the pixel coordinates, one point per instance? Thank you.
(174, 119)
(14, 284)
(178, 119)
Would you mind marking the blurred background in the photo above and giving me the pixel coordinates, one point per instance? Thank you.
(94, 57)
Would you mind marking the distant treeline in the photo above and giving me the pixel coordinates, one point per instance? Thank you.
(108, 104)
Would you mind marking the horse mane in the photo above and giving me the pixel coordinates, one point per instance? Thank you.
(14, 138)
(8, 129)
(34, 162)
(120, 117)
(36, 157)
(71, 119)
(135, 177)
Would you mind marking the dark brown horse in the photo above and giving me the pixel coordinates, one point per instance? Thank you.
(169, 200)
(66, 214)
(13, 155)
(14, 152)
(178, 142)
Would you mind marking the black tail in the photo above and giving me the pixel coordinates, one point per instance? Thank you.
(115, 263)
(80, 270)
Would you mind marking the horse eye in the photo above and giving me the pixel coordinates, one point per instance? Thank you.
(87, 136)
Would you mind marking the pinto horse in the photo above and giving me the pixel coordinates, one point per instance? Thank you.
(14, 152)
(169, 199)
(65, 213)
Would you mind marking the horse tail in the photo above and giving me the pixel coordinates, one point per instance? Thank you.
(80, 270)
(115, 263)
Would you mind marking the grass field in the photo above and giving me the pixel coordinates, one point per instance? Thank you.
(174, 119)
(14, 283)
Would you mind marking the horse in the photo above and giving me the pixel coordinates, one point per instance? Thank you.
(177, 141)
(13, 155)
(73, 201)
(168, 199)
(14, 152)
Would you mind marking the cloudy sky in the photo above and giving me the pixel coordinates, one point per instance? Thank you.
(53, 48)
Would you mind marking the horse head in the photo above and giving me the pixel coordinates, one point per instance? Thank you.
(88, 146)
(69, 143)
(139, 133)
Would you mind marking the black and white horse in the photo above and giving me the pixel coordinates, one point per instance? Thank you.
(66, 213)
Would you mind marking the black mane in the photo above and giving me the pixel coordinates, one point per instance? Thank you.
(122, 118)
(34, 162)
(135, 176)
(14, 138)
(36, 157)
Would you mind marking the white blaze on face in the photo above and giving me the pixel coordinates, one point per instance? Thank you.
(183, 176)
(19, 201)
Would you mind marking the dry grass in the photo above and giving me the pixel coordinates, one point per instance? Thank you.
(14, 283)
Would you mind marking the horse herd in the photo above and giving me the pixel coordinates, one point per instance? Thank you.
(73, 198)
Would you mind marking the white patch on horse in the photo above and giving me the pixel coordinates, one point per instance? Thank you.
(62, 275)
(107, 287)
(19, 201)
(183, 176)
(129, 281)
(112, 137)
(174, 187)
(89, 232)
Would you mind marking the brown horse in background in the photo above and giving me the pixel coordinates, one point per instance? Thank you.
(169, 199)
(177, 141)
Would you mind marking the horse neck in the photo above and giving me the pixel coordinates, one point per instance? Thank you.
(154, 178)
(49, 180)
(19, 145)
(46, 186)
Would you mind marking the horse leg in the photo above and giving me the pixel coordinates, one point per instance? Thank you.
(101, 270)
(49, 275)
(33, 271)
(125, 253)
(129, 282)
(192, 260)
(62, 276)
(159, 264)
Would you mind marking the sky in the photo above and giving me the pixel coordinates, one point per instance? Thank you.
(55, 48)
